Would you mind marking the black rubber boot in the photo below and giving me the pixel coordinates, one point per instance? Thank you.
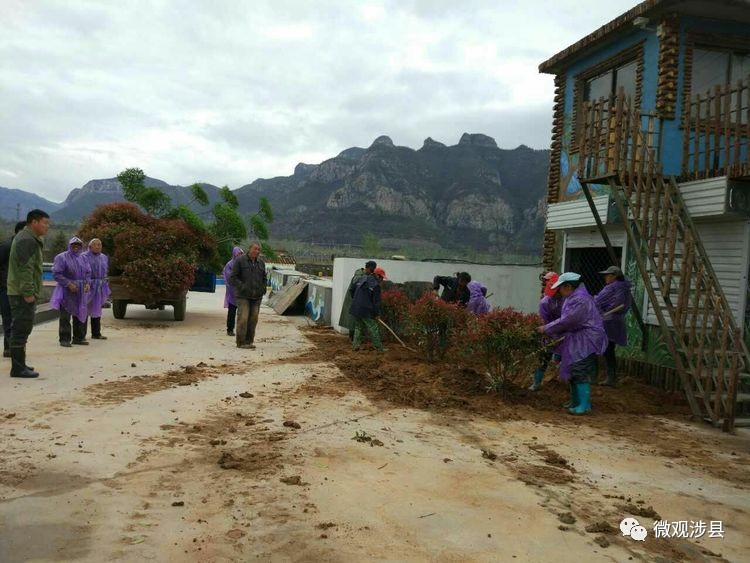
(611, 377)
(24, 360)
(19, 369)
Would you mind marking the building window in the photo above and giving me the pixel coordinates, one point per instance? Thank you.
(717, 67)
(611, 81)
(623, 70)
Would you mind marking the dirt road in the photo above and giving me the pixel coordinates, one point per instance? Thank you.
(166, 443)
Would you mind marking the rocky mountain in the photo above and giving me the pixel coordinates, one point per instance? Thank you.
(82, 201)
(470, 194)
(17, 203)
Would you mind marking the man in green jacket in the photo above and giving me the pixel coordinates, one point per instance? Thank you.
(25, 287)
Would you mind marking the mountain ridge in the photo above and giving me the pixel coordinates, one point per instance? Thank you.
(471, 194)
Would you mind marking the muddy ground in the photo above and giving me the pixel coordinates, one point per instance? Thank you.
(166, 443)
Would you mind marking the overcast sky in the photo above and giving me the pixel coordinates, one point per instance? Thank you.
(226, 92)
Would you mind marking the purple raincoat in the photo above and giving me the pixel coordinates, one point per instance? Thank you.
(611, 296)
(100, 292)
(581, 325)
(550, 309)
(477, 304)
(71, 267)
(229, 295)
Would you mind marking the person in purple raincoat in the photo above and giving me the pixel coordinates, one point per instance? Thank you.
(100, 291)
(550, 308)
(72, 273)
(584, 339)
(613, 301)
(229, 302)
(478, 303)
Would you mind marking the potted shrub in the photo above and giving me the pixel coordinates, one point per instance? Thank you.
(157, 249)
(152, 260)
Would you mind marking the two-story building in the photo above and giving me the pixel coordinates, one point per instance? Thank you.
(650, 171)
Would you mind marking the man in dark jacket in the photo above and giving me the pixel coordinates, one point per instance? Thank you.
(346, 319)
(25, 287)
(248, 278)
(455, 289)
(366, 308)
(5, 311)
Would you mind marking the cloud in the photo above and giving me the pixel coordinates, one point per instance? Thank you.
(226, 92)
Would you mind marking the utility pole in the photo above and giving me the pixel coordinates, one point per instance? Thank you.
(18, 212)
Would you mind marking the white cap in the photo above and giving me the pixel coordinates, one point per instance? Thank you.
(566, 277)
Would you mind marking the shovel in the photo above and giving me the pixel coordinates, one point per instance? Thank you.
(395, 335)
(613, 311)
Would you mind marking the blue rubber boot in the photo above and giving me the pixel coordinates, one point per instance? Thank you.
(573, 402)
(583, 390)
(538, 376)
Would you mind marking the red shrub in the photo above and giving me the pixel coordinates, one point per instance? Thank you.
(150, 279)
(156, 257)
(435, 324)
(108, 221)
(506, 342)
(394, 310)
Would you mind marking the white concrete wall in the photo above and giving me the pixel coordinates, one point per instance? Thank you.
(512, 286)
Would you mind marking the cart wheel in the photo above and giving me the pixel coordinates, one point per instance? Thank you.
(179, 309)
(119, 307)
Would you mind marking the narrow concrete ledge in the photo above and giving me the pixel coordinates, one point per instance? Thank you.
(44, 313)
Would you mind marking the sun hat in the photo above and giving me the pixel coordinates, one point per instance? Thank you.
(566, 277)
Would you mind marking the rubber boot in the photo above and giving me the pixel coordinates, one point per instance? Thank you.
(24, 360)
(595, 377)
(583, 391)
(573, 401)
(537, 383)
(18, 368)
(611, 377)
(6, 348)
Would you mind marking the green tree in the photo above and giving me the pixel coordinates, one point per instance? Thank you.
(228, 226)
(59, 243)
(226, 223)
(154, 201)
(259, 226)
(371, 245)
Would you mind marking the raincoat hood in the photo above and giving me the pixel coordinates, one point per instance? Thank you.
(92, 241)
(236, 251)
(475, 289)
(72, 241)
(477, 304)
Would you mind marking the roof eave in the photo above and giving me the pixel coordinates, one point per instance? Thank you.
(554, 64)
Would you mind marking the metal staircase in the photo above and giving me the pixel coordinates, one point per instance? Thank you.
(617, 147)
